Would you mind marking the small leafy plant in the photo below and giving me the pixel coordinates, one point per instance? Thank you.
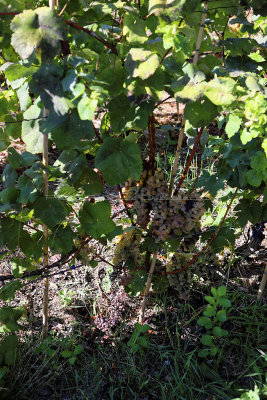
(66, 297)
(54, 350)
(138, 341)
(214, 316)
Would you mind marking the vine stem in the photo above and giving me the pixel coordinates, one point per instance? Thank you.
(181, 133)
(209, 242)
(189, 159)
(45, 228)
(148, 285)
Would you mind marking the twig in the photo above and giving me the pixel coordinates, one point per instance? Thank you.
(125, 204)
(94, 35)
(177, 156)
(64, 8)
(198, 171)
(189, 160)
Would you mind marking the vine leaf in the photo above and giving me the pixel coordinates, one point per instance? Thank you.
(8, 348)
(17, 71)
(37, 31)
(119, 160)
(200, 113)
(73, 133)
(233, 125)
(50, 211)
(7, 292)
(95, 219)
(30, 131)
(141, 63)
(135, 28)
(94, 185)
(8, 319)
(46, 82)
(220, 91)
(61, 240)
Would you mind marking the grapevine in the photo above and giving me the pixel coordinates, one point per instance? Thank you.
(61, 69)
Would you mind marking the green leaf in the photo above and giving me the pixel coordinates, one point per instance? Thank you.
(8, 349)
(73, 133)
(247, 135)
(252, 84)
(28, 192)
(14, 158)
(9, 317)
(204, 353)
(239, 46)
(224, 302)
(259, 161)
(205, 321)
(61, 240)
(17, 70)
(156, 7)
(46, 82)
(221, 290)
(20, 265)
(220, 91)
(210, 311)
(8, 195)
(254, 178)
(72, 360)
(78, 349)
(66, 353)
(95, 219)
(200, 113)
(87, 107)
(119, 160)
(31, 134)
(141, 63)
(8, 290)
(233, 125)
(94, 185)
(213, 351)
(210, 299)
(3, 370)
(134, 28)
(214, 292)
(11, 233)
(38, 30)
(219, 332)
(206, 340)
(50, 211)
(3, 105)
(221, 316)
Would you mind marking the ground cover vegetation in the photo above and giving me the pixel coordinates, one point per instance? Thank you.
(81, 87)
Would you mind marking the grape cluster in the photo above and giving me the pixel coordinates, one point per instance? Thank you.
(127, 248)
(86, 254)
(202, 271)
(167, 217)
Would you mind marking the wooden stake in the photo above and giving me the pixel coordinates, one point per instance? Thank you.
(262, 284)
(148, 285)
(181, 133)
(45, 229)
